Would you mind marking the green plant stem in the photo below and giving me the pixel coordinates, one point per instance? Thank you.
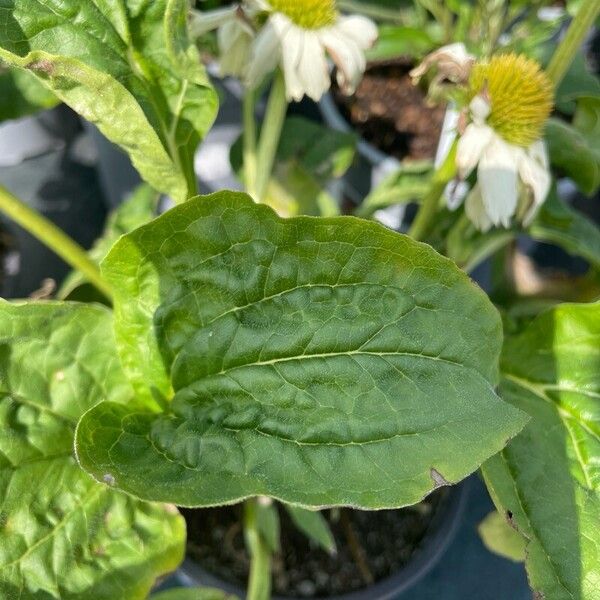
(270, 135)
(249, 142)
(53, 237)
(259, 582)
(431, 202)
(574, 38)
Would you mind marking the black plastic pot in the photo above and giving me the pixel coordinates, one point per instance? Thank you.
(443, 529)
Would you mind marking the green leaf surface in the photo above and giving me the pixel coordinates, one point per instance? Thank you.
(63, 535)
(193, 594)
(399, 42)
(308, 157)
(22, 94)
(501, 538)
(124, 65)
(572, 152)
(137, 210)
(559, 224)
(317, 361)
(314, 526)
(547, 480)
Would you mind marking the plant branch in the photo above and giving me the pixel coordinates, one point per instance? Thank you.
(431, 202)
(249, 136)
(574, 38)
(259, 582)
(53, 237)
(270, 135)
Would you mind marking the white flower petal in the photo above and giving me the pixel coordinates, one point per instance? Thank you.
(313, 70)
(498, 179)
(203, 22)
(480, 109)
(534, 172)
(235, 41)
(359, 29)
(471, 146)
(453, 62)
(265, 55)
(292, 46)
(476, 211)
(347, 56)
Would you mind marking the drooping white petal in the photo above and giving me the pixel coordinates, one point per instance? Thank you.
(471, 146)
(359, 29)
(347, 56)
(265, 56)
(235, 40)
(498, 179)
(203, 22)
(453, 62)
(535, 174)
(480, 109)
(292, 42)
(312, 67)
(476, 211)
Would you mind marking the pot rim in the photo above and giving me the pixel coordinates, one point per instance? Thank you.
(441, 532)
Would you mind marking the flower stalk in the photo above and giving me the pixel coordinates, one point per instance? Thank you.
(249, 137)
(53, 237)
(431, 203)
(259, 582)
(270, 135)
(574, 38)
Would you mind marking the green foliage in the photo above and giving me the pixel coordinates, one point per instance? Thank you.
(193, 594)
(317, 361)
(125, 65)
(547, 480)
(314, 526)
(501, 538)
(308, 157)
(63, 535)
(22, 94)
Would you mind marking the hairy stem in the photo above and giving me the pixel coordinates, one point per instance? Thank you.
(574, 38)
(53, 237)
(249, 142)
(270, 135)
(259, 582)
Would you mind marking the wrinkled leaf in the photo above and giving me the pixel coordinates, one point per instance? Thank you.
(547, 480)
(22, 94)
(314, 526)
(193, 594)
(501, 538)
(559, 224)
(317, 361)
(137, 210)
(63, 535)
(115, 63)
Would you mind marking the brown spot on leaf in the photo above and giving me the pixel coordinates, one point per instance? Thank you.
(538, 595)
(41, 66)
(438, 479)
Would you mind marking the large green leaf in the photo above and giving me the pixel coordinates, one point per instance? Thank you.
(193, 594)
(21, 94)
(63, 535)
(318, 361)
(547, 481)
(125, 65)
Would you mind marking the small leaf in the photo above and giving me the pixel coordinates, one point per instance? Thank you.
(64, 536)
(316, 361)
(559, 224)
(397, 41)
(314, 525)
(571, 152)
(112, 62)
(547, 480)
(501, 538)
(193, 594)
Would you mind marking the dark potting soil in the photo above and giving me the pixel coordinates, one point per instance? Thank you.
(370, 546)
(391, 113)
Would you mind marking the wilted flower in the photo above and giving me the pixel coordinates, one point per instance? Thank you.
(451, 63)
(297, 35)
(511, 101)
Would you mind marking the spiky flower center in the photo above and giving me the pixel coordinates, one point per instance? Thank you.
(520, 96)
(308, 14)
